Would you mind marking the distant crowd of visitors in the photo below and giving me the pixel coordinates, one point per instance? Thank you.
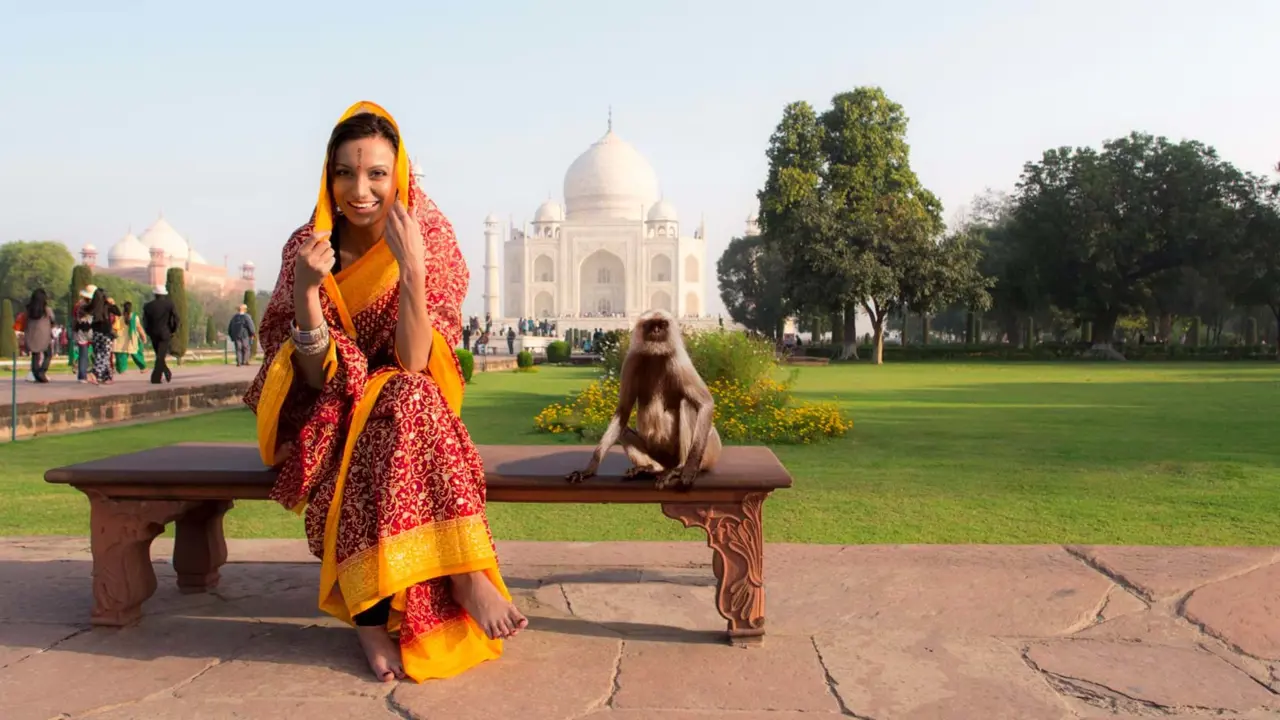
(104, 337)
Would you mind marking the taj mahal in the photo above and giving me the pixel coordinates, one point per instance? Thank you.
(613, 250)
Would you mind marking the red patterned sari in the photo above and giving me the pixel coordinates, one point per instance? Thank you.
(385, 473)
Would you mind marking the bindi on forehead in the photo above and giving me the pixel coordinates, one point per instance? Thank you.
(359, 159)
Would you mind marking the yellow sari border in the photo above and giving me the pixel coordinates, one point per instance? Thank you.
(433, 550)
(275, 389)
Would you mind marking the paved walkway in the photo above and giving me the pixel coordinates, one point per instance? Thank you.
(63, 386)
(627, 631)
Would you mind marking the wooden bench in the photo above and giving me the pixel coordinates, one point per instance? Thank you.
(133, 497)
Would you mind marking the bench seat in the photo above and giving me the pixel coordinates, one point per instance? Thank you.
(134, 496)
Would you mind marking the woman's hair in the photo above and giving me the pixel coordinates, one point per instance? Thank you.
(37, 305)
(128, 307)
(358, 127)
(98, 305)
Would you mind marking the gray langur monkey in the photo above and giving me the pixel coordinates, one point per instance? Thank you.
(674, 438)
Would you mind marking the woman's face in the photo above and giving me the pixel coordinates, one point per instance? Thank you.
(364, 183)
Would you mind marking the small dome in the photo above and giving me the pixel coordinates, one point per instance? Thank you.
(89, 248)
(663, 211)
(549, 211)
(162, 235)
(129, 250)
(492, 219)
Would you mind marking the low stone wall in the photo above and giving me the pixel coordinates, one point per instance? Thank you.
(43, 418)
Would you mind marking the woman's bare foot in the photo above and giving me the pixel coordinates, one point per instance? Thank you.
(493, 613)
(382, 651)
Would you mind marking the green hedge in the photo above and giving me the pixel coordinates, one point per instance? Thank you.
(467, 361)
(524, 359)
(558, 352)
(1050, 351)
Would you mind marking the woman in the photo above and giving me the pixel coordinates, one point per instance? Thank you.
(38, 325)
(357, 403)
(128, 329)
(103, 313)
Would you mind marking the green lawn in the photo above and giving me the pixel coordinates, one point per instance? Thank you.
(1132, 453)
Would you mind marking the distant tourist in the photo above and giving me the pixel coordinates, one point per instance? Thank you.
(242, 331)
(82, 342)
(129, 340)
(511, 341)
(160, 322)
(36, 322)
(103, 312)
(374, 444)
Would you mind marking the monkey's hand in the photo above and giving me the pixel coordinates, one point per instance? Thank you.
(674, 478)
(577, 476)
(637, 473)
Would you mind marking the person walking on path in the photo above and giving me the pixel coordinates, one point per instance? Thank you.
(241, 330)
(103, 311)
(130, 340)
(37, 324)
(82, 339)
(160, 322)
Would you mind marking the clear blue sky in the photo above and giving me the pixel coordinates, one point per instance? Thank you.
(217, 113)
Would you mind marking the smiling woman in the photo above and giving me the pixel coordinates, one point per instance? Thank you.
(358, 405)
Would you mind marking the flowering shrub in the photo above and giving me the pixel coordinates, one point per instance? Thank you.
(759, 411)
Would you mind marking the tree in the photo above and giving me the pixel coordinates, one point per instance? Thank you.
(1099, 227)
(8, 338)
(851, 219)
(122, 290)
(251, 305)
(81, 277)
(25, 266)
(751, 285)
(175, 284)
(1257, 277)
(210, 332)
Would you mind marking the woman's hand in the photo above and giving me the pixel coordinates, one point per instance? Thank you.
(315, 261)
(404, 239)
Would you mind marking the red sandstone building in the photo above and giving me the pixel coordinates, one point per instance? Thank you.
(147, 260)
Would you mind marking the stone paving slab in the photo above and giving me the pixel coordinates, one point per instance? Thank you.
(625, 631)
(63, 386)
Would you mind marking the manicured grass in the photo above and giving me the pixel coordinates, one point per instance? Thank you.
(960, 453)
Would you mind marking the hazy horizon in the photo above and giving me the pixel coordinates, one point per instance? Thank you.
(218, 115)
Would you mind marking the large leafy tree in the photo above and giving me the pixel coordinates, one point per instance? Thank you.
(859, 228)
(750, 275)
(1257, 275)
(1100, 228)
(25, 266)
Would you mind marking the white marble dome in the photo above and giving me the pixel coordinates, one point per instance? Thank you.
(549, 211)
(492, 219)
(196, 258)
(162, 235)
(129, 251)
(610, 180)
(663, 211)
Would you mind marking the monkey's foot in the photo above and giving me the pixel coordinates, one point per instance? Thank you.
(674, 479)
(638, 473)
(577, 476)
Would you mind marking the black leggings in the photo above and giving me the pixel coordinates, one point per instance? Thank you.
(377, 615)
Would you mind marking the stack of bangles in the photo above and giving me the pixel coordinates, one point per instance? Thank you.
(310, 342)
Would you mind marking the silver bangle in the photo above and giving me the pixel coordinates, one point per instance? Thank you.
(314, 342)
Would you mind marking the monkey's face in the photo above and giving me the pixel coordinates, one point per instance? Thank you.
(657, 330)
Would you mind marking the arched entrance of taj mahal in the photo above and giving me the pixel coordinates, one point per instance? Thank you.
(602, 284)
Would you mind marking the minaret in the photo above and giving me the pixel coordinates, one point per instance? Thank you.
(492, 278)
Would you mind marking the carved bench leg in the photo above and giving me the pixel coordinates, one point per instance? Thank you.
(199, 547)
(735, 536)
(122, 531)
